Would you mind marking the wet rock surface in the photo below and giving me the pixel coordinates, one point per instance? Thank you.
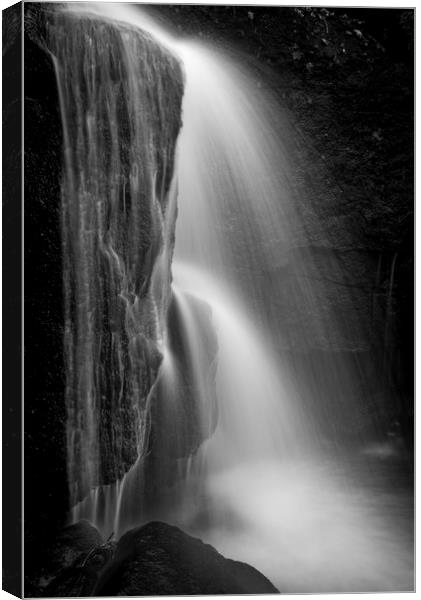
(69, 562)
(121, 95)
(159, 559)
(155, 559)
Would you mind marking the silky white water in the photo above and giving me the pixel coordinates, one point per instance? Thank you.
(309, 522)
(262, 487)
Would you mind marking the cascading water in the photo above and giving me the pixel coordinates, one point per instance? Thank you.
(113, 86)
(245, 469)
(271, 495)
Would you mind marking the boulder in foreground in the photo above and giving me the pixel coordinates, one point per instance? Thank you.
(160, 559)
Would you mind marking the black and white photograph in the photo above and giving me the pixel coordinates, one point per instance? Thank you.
(208, 299)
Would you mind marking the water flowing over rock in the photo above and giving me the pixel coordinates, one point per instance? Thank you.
(186, 397)
(120, 96)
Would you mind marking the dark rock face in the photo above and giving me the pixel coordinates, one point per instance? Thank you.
(12, 329)
(120, 99)
(46, 499)
(100, 265)
(159, 559)
(155, 559)
(72, 543)
(68, 562)
(100, 144)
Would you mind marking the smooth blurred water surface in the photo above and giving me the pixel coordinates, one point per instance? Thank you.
(317, 525)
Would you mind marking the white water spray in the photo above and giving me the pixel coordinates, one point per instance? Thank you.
(308, 523)
(257, 488)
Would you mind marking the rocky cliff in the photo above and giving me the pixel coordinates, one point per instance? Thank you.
(156, 559)
(120, 99)
(102, 115)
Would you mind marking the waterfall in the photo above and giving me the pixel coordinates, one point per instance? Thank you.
(262, 488)
(181, 403)
(120, 98)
